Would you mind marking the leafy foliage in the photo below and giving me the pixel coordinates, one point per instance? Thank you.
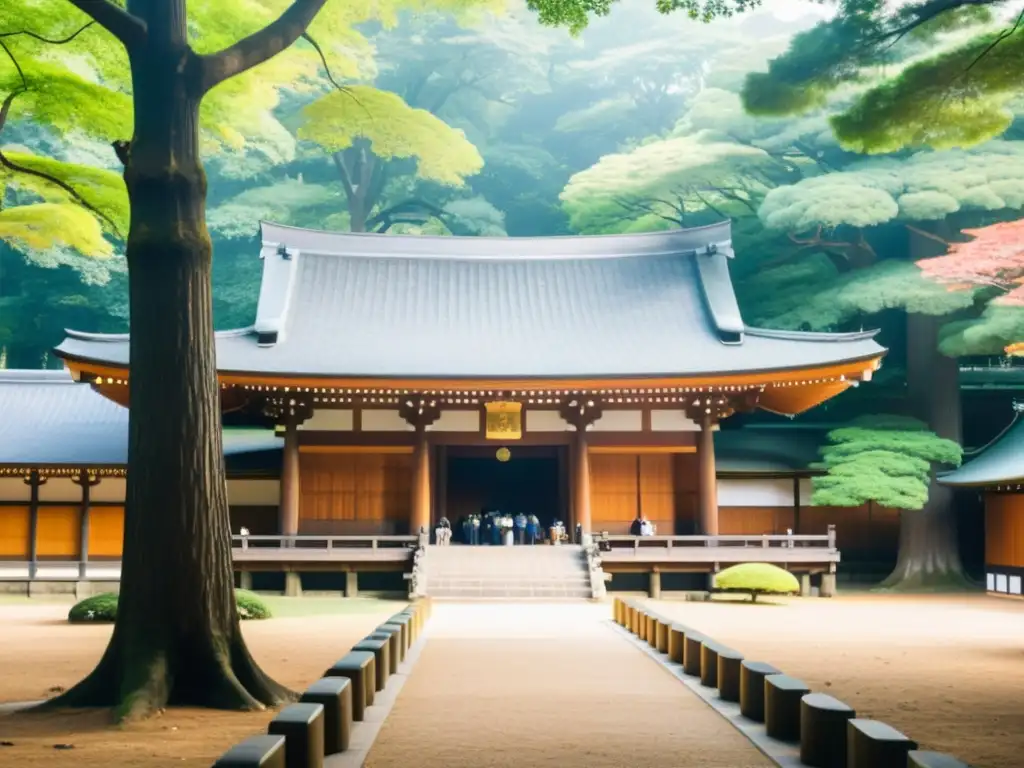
(954, 74)
(103, 608)
(757, 579)
(993, 257)
(881, 458)
(393, 129)
(599, 198)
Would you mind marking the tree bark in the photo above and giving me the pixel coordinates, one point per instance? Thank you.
(929, 551)
(177, 638)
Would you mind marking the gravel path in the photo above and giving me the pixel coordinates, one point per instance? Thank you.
(533, 684)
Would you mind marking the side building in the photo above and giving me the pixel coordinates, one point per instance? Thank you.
(997, 473)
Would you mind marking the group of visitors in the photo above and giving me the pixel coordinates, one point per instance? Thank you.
(494, 528)
(641, 526)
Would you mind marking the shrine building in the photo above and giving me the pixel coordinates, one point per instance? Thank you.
(997, 474)
(578, 378)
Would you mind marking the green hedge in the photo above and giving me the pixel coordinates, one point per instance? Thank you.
(103, 608)
(757, 579)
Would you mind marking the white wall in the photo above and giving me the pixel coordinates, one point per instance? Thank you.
(768, 492)
(14, 489)
(456, 421)
(619, 421)
(60, 489)
(373, 420)
(110, 489)
(538, 420)
(254, 493)
(329, 420)
(672, 421)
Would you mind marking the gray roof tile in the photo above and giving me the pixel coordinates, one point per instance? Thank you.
(359, 305)
(1000, 463)
(48, 419)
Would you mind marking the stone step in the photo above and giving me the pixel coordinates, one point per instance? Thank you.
(475, 582)
(511, 592)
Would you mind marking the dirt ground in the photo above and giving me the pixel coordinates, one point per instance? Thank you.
(947, 671)
(505, 685)
(40, 651)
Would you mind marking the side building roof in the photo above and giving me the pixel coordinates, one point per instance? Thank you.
(48, 420)
(1001, 463)
(370, 306)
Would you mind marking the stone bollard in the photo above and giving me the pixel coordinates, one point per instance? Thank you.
(652, 630)
(709, 663)
(406, 635)
(676, 640)
(360, 668)
(382, 663)
(728, 675)
(302, 726)
(752, 675)
(335, 695)
(823, 731)
(874, 744)
(691, 653)
(782, 695)
(255, 752)
(394, 638)
(661, 631)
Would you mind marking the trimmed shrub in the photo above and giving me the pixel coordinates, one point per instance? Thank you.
(757, 579)
(103, 608)
(251, 605)
(100, 608)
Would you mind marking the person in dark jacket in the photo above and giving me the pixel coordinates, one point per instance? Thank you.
(636, 527)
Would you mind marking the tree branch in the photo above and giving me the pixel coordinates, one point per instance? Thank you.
(259, 46)
(51, 41)
(127, 28)
(6, 162)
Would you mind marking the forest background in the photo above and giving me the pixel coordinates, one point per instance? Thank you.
(481, 121)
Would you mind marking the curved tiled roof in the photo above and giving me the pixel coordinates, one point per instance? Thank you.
(394, 306)
(1000, 463)
(47, 419)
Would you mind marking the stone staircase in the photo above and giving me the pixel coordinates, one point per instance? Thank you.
(499, 572)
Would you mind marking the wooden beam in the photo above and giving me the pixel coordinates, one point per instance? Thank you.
(638, 449)
(365, 448)
(639, 386)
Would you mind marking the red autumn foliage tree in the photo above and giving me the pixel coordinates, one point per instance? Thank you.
(994, 257)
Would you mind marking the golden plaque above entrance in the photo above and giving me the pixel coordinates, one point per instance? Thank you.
(504, 421)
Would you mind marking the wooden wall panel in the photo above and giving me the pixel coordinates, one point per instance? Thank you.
(657, 491)
(14, 529)
(106, 531)
(613, 491)
(866, 529)
(1004, 529)
(619, 482)
(754, 521)
(58, 532)
(355, 487)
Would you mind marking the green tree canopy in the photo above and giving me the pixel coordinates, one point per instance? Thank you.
(883, 459)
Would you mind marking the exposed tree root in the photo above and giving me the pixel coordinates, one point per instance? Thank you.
(137, 685)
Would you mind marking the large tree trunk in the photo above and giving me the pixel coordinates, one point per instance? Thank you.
(929, 550)
(177, 639)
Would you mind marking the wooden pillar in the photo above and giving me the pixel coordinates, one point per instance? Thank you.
(581, 482)
(34, 480)
(87, 481)
(707, 495)
(290, 489)
(419, 509)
